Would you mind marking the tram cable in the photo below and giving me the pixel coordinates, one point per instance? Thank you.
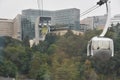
(40, 7)
(89, 10)
(38, 4)
(101, 2)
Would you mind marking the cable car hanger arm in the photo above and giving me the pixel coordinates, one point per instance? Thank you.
(108, 19)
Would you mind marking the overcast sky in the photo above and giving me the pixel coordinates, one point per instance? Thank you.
(10, 8)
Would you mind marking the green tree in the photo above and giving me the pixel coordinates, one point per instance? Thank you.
(71, 44)
(89, 72)
(19, 56)
(39, 66)
(52, 49)
(64, 68)
(12, 42)
(8, 69)
(26, 41)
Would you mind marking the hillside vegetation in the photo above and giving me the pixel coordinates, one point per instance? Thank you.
(59, 58)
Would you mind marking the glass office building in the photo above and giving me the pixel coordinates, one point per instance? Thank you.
(67, 17)
(28, 20)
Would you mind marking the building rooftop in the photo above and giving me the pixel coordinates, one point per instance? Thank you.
(5, 20)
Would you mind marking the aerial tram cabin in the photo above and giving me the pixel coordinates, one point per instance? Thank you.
(100, 46)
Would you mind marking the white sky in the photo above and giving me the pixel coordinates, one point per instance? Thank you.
(10, 8)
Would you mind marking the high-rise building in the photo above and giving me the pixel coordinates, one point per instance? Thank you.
(23, 25)
(28, 20)
(87, 21)
(11, 27)
(95, 22)
(69, 17)
(17, 31)
(66, 17)
(116, 19)
(6, 27)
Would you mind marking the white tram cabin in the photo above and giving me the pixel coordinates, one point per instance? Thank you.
(101, 45)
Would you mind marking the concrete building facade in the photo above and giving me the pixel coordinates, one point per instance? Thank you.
(11, 27)
(6, 27)
(116, 19)
(17, 31)
(95, 22)
(87, 21)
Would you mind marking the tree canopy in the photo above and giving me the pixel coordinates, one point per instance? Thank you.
(59, 58)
